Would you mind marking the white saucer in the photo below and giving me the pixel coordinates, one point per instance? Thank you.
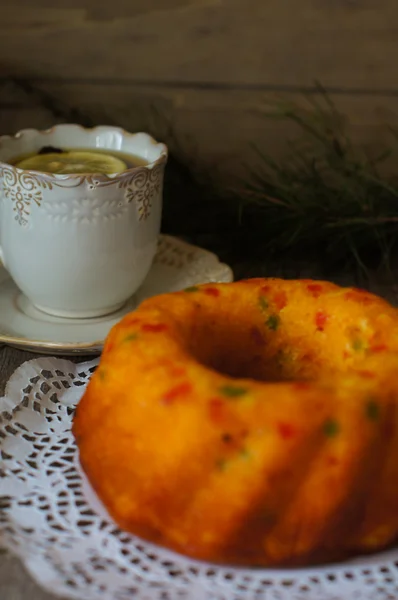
(177, 265)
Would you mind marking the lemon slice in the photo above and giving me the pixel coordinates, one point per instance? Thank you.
(73, 162)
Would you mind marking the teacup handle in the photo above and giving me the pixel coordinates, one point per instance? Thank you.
(1, 250)
(2, 200)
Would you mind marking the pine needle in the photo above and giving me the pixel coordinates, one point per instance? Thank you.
(326, 193)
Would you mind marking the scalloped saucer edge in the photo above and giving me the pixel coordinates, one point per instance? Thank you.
(177, 265)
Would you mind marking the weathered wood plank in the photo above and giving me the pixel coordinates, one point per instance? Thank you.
(279, 43)
(214, 129)
(14, 119)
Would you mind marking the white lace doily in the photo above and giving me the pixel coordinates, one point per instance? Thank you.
(73, 549)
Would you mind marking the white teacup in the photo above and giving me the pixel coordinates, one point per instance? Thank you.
(80, 245)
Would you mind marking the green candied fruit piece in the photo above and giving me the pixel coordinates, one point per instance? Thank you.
(273, 322)
(244, 453)
(192, 288)
(263, 303)
(331, 428)
(233, 391)
(372, 410)
(357, 344)
(131, 337)
(101, 372)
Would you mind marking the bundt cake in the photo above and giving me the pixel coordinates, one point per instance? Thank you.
(250, 423)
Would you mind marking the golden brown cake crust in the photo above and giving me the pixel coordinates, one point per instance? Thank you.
(250, 423)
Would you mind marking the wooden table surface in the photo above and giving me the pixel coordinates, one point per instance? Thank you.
(15, 583)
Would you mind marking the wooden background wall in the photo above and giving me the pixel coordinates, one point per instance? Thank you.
(210, 65)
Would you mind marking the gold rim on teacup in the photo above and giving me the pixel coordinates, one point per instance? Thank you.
(55, 176)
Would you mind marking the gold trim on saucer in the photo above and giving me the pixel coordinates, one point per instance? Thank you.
(60, 347)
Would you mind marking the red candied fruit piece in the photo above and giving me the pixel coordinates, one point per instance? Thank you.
(212, 291)
(367, 374)
(286, 431)
(179, 390)
(307, 357)
(378, 348)
(315, 289)
(280, 300)
(108, 347)
(302, 385)
(257, 336)
(359, 295)
(321, 319)
(332, 461)
(351, 295)
(177, 371)
(174, 370)
(265, 289)
(216, 409)
(131, 320)
(154, 327)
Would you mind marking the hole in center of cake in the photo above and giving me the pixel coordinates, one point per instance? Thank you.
(250, 355)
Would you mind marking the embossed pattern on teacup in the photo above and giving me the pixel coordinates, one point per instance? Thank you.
(142, 187)
(83, 209)
(23, 188)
